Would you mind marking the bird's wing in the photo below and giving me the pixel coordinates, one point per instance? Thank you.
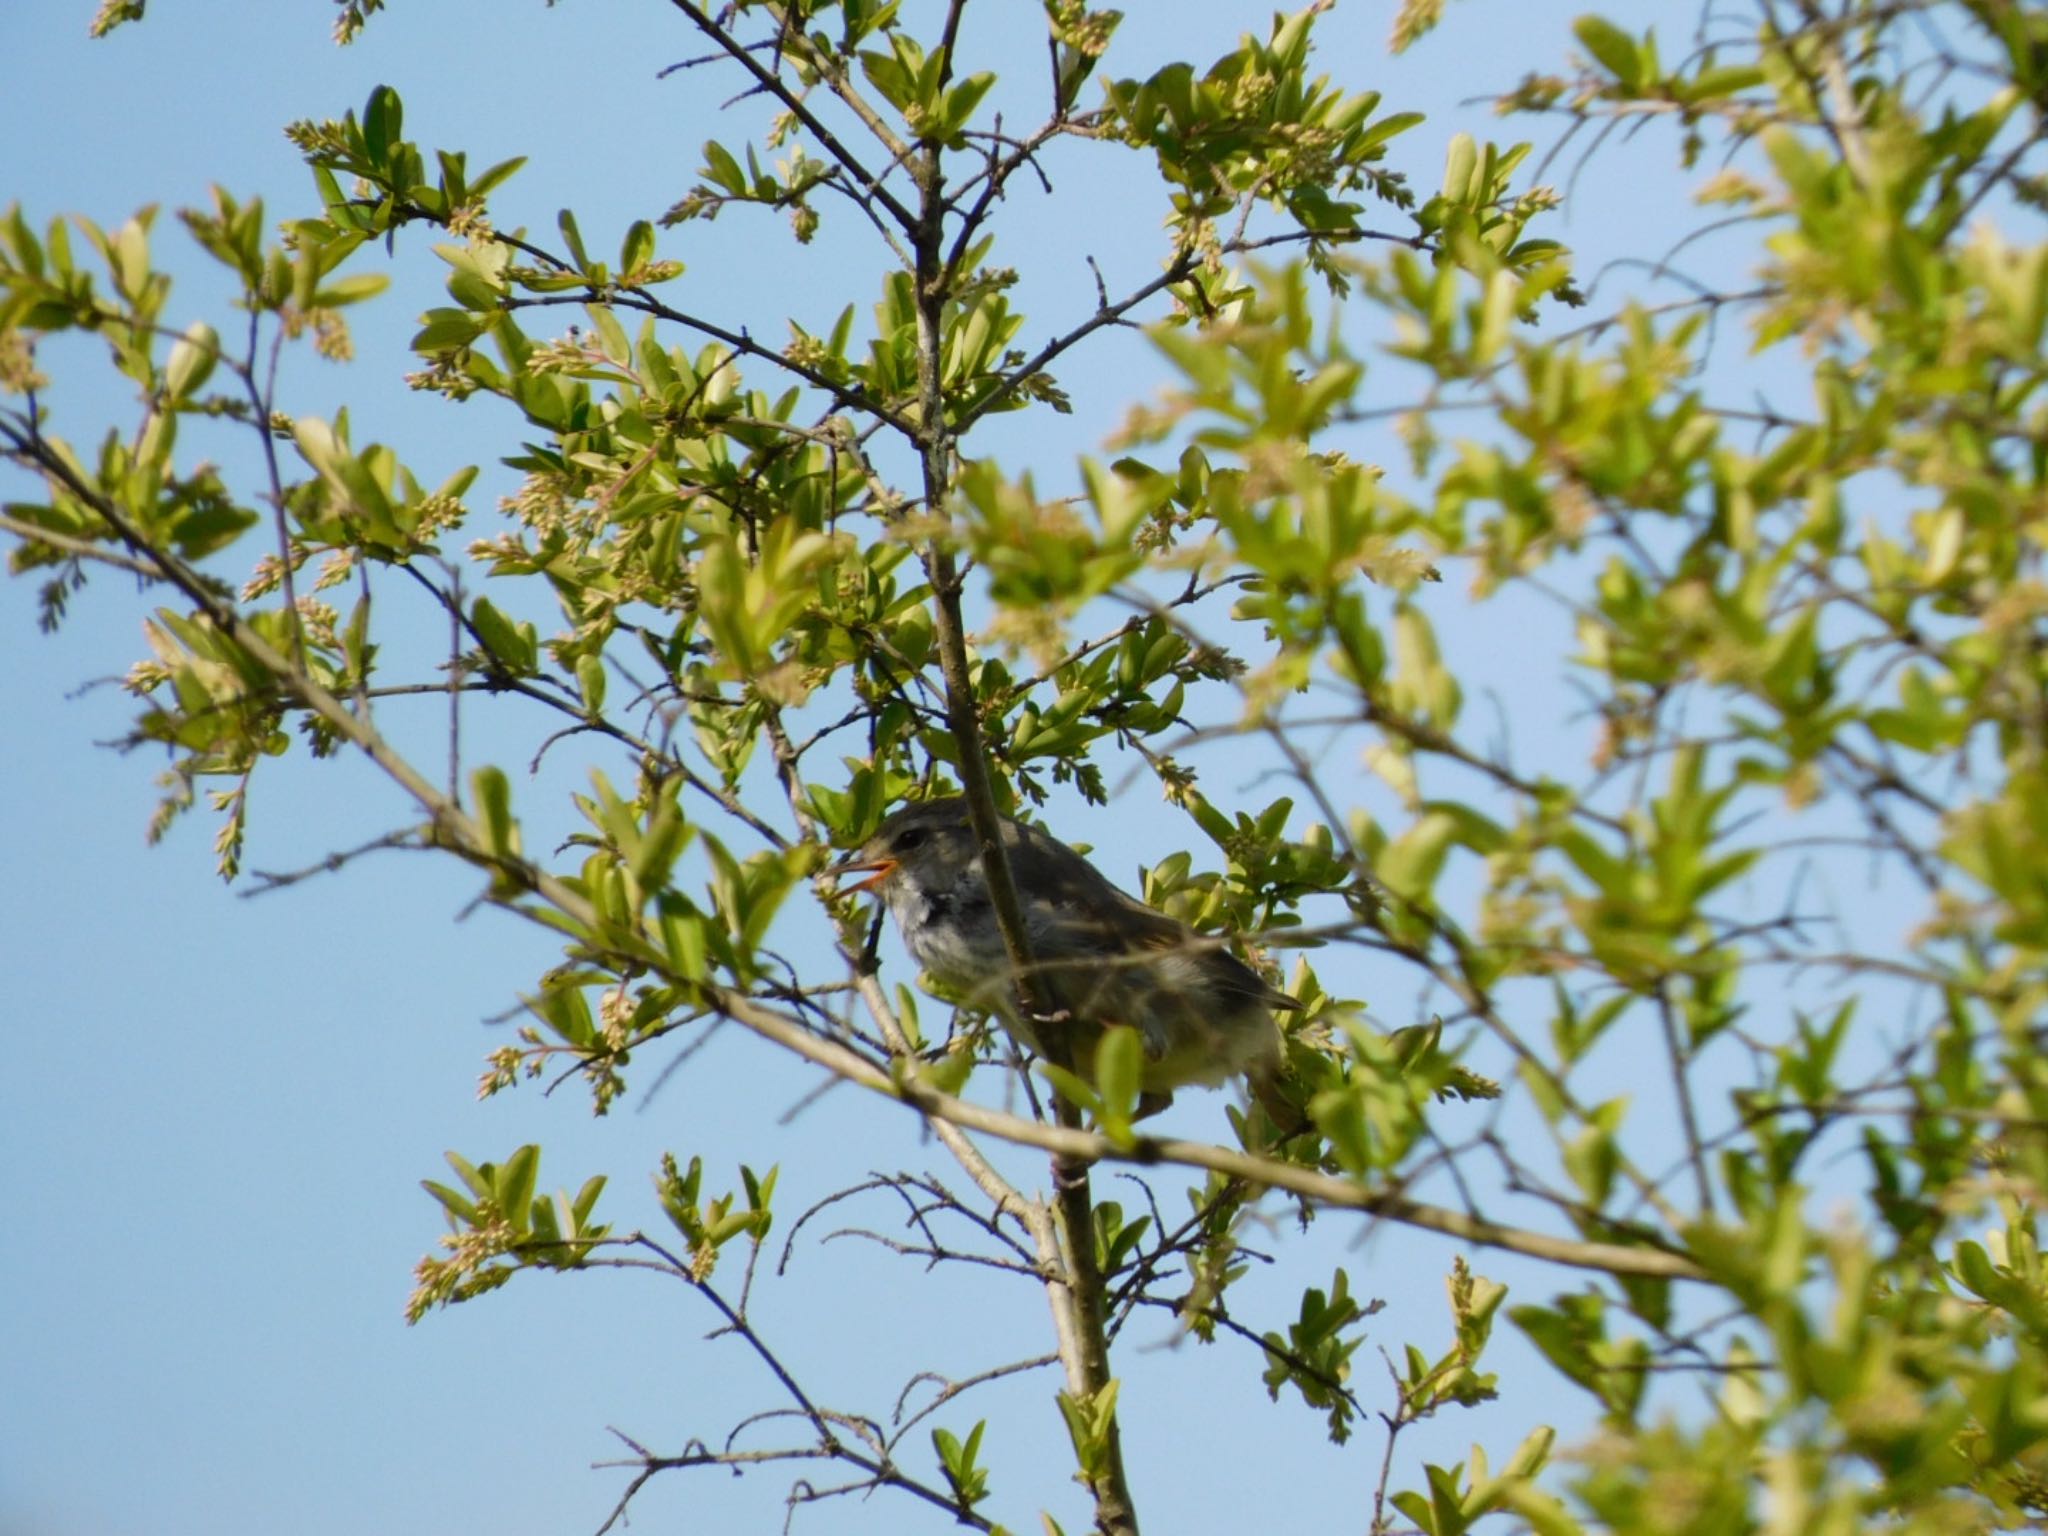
(1078, 914)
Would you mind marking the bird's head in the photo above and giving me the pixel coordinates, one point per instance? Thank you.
(931, 844)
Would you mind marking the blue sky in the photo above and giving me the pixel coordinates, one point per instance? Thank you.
(218, 1109)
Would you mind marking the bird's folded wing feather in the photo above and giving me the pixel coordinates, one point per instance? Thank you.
(1079, 914)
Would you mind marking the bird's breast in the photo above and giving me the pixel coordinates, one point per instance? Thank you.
(951, 933)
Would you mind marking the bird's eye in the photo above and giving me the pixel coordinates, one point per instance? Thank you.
(909, 837)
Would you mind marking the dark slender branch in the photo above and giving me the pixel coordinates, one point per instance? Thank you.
(454, 683)
(79, 549)
(851, 397)
(772, 84)
(1182, 267)
(268, 881)
(879, 1468)
(1681, 1088)
(950, 1389)
(263, 403)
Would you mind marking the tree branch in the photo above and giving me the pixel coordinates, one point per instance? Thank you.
(769, 82)
(1086, 1146)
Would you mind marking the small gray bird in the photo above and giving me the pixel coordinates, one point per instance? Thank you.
(1104, 957)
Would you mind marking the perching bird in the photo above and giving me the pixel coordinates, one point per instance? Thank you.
(1099, 956)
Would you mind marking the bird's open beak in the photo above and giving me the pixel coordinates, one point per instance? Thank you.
(883, 869)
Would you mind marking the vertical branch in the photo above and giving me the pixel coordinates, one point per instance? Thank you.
(1084, 1340)
(362, 690)
(1085, 1343)
(263, 399)
(1063, 1238)
(454, 683)
(1681, 1087)
(1033, 1215)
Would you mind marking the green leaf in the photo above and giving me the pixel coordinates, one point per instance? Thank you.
(573, 238)
(637, 249)
(496, 176)
(448, 330)
(383, 124)
(191, 362)
(590, 682)
(961, 101)
(611, 334)
(516, 1181)
(492, 793)
(1072, 1087)
(513, 646)
(353, 289)
(1409, 866)
(1612, 47)
(1461, 166)
(1119, 1063)
(722, 169)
